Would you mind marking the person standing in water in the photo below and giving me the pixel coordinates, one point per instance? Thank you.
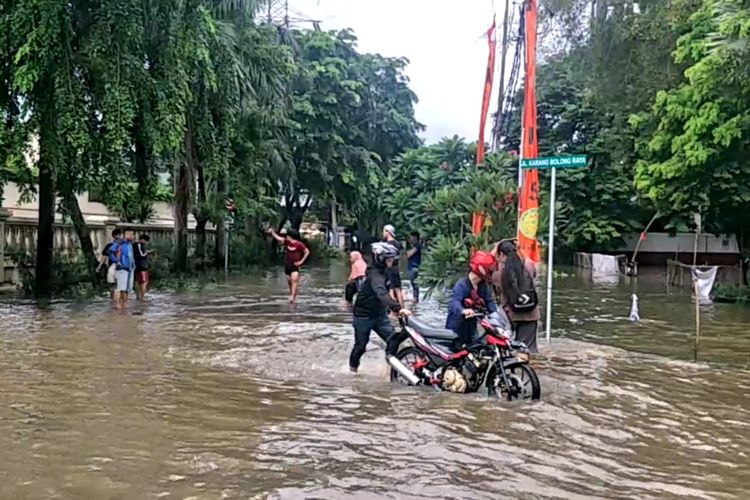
(121, 254)
(373, 303)
(142, 266)
(295, 256)
(394, 273)
(356, 276)
(414, 255)
(109, 264)
(515, 291)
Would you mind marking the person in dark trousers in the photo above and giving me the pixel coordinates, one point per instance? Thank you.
(475, 286)
(394, 273)
(373, 303)
(514, 277)
(414, 255)
(142, 266)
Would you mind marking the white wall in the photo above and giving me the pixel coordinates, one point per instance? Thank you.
(681, 242)
(92, 211)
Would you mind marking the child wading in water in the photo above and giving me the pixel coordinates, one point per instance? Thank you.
(296, 253)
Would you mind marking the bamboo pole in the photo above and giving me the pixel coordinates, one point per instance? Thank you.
(697, 320)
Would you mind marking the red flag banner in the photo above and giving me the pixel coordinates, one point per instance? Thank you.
(477, 222)
(528, 200)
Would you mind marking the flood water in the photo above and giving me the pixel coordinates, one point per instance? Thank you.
(229, 393)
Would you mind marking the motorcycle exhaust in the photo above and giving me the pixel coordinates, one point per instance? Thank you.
(403, 370)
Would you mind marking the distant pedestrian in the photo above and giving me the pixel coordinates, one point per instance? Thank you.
(414, 262)
(121, 254)
(356, 276)
(394, 273)
(295, 256)
(105, 262)
(142, 266)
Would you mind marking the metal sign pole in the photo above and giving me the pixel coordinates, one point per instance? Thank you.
(550, 252)
(553, 163)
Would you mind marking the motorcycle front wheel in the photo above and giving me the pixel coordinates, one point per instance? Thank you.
(409, 357)
(522, 383)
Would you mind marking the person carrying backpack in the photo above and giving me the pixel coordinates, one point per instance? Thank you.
(515, 290)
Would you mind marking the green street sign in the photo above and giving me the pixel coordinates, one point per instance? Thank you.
(576, 161)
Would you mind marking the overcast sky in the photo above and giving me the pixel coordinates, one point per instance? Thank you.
(443, 39)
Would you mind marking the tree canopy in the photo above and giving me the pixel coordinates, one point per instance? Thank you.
(121, 95)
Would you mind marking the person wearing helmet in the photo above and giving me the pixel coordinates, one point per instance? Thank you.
(373, 303)
(475, 286)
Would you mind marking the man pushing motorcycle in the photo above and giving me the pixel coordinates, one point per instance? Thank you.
(373, 303)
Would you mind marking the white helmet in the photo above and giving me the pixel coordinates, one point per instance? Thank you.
(383, 251)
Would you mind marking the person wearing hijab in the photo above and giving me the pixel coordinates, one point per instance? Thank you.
(356, 276)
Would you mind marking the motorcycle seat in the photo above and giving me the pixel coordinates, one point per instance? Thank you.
(431, 332)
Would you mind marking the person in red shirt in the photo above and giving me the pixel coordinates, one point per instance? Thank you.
(295, 255)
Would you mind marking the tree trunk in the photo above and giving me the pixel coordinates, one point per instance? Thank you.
(295, 213)
(201, 208)
(182, 208)
(48, 160)
(73, 209)
(221, 233)
(200, 242)
(742, 246)
(142, 172)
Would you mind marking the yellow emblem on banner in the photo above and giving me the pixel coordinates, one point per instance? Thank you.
(529, 223)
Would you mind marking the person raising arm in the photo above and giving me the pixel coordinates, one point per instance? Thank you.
(296, 254)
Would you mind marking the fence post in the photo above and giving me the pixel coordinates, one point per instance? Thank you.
(4, 214)
(697, 320)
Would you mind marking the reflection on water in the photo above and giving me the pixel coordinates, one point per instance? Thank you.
(229, 393)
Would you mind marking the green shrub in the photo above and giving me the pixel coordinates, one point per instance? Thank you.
(732, 293)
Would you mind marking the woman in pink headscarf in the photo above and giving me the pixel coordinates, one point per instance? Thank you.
(356, 276)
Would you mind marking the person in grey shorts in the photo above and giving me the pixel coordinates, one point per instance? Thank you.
(122, 256)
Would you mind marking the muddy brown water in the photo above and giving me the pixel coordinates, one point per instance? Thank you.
(229, 393)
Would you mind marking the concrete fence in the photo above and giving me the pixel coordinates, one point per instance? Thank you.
(19, 236)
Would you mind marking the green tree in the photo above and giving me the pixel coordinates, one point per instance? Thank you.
(608, 70)
(695, 137)
(351, 115)
(435, 190)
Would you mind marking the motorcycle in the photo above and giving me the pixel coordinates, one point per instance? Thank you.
(492, 361)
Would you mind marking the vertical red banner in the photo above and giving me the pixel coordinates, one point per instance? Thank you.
(477, 221)
(528, 200)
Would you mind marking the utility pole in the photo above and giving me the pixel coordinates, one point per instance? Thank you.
(501, 93)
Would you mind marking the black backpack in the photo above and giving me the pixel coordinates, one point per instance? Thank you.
(520, 292)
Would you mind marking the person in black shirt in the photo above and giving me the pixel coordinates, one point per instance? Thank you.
(373, 303)
(142, 265)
